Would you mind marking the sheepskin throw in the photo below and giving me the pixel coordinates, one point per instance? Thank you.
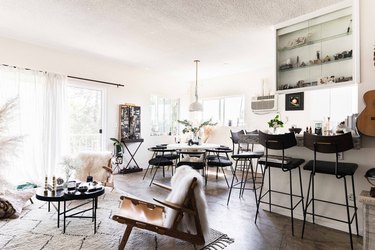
(92, 164)
(180, 183)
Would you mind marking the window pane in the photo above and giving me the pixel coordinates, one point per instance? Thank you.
(211, 110)
(233, 111)
(164, 115)
(85, 119)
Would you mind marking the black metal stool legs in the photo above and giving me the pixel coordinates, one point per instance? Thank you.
(348, 212)
(355, 206)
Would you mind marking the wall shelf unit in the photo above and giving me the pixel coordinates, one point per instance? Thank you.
(317, 50)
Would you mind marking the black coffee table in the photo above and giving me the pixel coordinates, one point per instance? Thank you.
(63, 196)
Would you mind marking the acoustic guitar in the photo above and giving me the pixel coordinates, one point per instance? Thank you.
(366, 120)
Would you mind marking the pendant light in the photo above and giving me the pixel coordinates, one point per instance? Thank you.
(196, 106)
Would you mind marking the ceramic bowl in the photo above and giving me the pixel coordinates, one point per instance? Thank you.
(295, 130)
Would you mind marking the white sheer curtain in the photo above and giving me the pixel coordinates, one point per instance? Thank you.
(38, 118)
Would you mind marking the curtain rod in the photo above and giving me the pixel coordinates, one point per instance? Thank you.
(97, 81)
(74, 77)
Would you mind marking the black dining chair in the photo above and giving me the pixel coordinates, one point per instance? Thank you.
(235, 137)
(159, 160)
(218, 158)
(340, 170)
(280, 142)
(195, 159)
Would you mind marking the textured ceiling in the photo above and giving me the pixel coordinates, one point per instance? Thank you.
(228, 36)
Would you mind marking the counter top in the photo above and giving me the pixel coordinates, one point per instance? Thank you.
(254, 139)
(365, 198)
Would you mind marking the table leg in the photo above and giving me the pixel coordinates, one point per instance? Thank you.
(95, 202)
(58, 214)
(64, 215)
(132, 155)
(49, 206)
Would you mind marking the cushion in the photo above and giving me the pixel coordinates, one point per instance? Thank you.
(328, 167)
(6, 209)
(17, 199)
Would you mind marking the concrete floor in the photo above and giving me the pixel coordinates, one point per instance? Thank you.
(272, 231)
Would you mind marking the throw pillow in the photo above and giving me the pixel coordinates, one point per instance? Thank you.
(6, 209)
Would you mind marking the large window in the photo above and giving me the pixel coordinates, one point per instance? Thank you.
(164, 115)
(227, 110)
(84, 106)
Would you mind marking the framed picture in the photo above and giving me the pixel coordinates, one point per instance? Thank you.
(294, 101)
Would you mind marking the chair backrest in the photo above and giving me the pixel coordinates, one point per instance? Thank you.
(277, 142)
(235, 136)
(328, 144)
(192, 155)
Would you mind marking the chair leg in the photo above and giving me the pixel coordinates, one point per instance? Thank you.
(269, 188)
(300, 184)
(260, 195)
(246, 166)
(291, 200)
(313, 197)
(307, 205)
(231, 186)
(348, 213)
(225, 177)
(125, 237)
(355, 206)
(146, 171)
(152, 180)
(254, 179)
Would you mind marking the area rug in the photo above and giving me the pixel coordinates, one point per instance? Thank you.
(36, 228)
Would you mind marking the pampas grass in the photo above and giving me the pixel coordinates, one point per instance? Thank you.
(8, 144)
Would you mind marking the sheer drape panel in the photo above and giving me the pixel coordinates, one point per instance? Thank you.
(38, 119)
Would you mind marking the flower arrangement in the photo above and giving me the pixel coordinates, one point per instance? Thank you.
(276, 122)
(69, 164)
(189, 127)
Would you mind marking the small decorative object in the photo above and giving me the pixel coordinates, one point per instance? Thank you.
(190, 128)
(60, 181)
(89, 179)
(327, 59)
(46, 184)
(294, 101)
(275, 123)
(82, 188)
(295, 130)
(71, 186)
(53, 184)
(69, 164)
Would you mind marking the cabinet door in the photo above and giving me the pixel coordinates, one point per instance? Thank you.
(316, 52)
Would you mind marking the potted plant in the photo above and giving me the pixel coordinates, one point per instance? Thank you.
(118, 147)
(190, 128)
(276, 123)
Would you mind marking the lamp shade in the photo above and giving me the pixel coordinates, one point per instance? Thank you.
(196, 106)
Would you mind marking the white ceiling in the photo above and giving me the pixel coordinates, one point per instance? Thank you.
(228, 36)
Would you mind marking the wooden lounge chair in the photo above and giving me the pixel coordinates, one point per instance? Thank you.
(149, 216)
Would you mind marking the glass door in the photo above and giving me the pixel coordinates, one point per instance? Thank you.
(84, 106)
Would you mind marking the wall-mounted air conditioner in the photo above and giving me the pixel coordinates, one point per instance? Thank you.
(263, 104)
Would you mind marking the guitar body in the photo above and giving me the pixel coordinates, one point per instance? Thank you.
(366, 120)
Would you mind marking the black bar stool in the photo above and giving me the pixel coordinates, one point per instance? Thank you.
(286, 164)
(330, 145)
(247, 165)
